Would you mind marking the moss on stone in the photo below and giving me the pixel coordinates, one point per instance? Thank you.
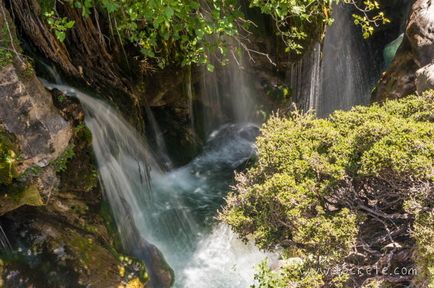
(6, 57)
(18, 195)
(135, 283)
(13, 194)
(7, 158)
(9, 42)
(60, 164)
(83, 134)
(110, 224)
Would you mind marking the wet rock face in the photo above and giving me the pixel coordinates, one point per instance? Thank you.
(420, 31)
(69, 240)
(26, 111)
(53, 253)
(411, 70)
(399, 79)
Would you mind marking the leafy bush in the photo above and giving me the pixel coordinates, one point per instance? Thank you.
(187, 31)
(58, 25)
(300, 20)
(320, 184)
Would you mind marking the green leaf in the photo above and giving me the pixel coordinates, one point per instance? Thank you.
(168, 12)
(69, 24)
(210, 67)
(60, 35)
(110, 6)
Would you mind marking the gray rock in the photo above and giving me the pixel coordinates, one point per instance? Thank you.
(425, 78)
(27, 112)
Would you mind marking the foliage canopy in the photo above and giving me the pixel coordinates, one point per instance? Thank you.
(186, 32)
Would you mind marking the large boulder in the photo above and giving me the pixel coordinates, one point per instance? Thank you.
(410, 70)
(27, 112)
(425, 78)
(420, 31)
(33, 134)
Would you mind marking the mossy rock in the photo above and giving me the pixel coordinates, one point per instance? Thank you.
(18, 196)
(8, 159)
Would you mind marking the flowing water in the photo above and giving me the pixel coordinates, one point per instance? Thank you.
(5, 245)
(155, 204)
(226, 95)
(338, 73)
(173, 210)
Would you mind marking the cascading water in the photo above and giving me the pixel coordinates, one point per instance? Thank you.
(173, 210)
(304, 78)
(337, 74)
(348, 69)
(160, 144)
(227, 94)
(5, 245)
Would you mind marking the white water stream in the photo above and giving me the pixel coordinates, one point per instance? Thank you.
(173, 210)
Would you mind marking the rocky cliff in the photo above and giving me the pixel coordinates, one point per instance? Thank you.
(413, 66)
(51, 205)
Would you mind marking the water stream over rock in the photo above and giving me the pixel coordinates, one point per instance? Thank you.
(5, 245)
(173, 210)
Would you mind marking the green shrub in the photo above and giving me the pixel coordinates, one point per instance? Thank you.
(305, 194)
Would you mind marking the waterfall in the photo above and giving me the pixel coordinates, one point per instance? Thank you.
(222, 260)
(173, 210)
(160, 144)
(337, 74)
(125, 165)
(227, 94)
(5, 245)
(304, 78)
(347, 66)
(50, 70)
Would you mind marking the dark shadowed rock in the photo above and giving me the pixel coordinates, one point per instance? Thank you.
(399, 79)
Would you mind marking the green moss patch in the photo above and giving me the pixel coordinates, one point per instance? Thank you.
(17, 196)
(7, 158)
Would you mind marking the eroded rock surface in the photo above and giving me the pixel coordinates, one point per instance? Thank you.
(411, 69)
(425, 78)
(27, 112)
(420, 31)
